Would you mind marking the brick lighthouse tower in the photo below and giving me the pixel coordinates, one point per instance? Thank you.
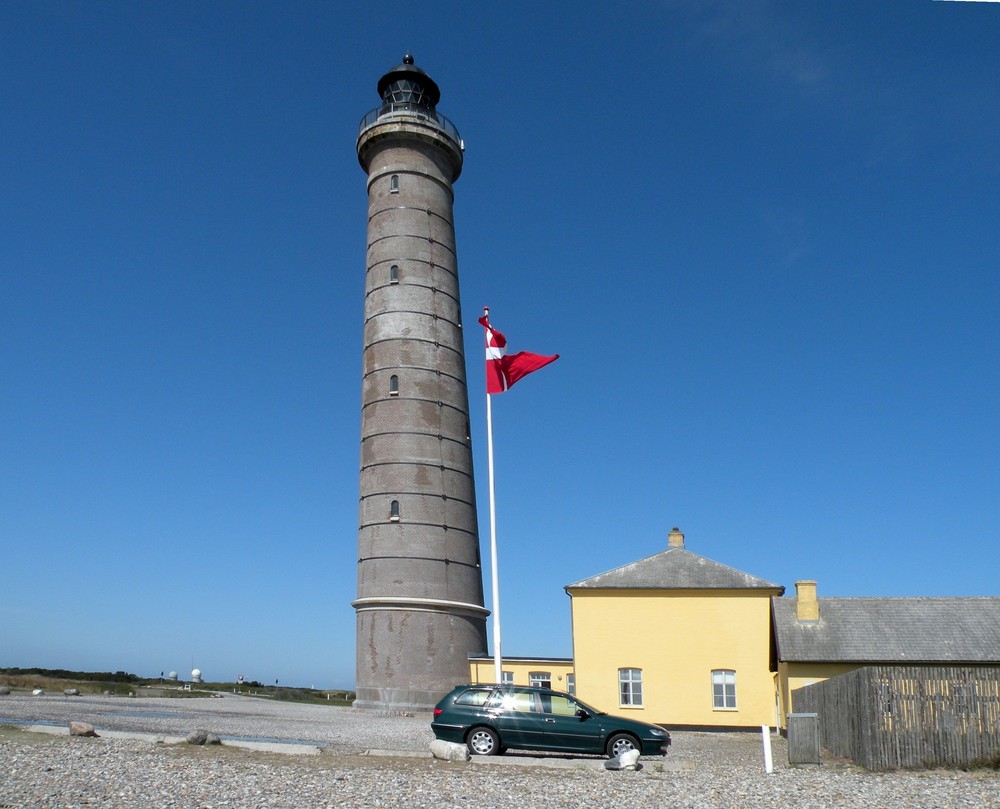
(420, 588)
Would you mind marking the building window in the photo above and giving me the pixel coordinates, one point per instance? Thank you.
(394, 511)
(724, 690)
(540, 679)
(394, 385)
(506, 678)
(394, 274)
(571, 683)
(394, 184)
(630, 687)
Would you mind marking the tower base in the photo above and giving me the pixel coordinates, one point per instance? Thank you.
(396, 699)
(409, 659)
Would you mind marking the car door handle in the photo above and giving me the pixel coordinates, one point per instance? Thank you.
(550, 720)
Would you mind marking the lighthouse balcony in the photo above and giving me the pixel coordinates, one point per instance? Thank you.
(407, 111)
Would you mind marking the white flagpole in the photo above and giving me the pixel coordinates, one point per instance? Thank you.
(497, 655)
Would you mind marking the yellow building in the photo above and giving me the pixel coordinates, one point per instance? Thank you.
(546, 672)
(680, 640)
(676, 639)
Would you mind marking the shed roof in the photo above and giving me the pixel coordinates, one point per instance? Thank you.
(674, 569)
(890, 630)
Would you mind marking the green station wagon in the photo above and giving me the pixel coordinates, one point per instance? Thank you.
(489, 719)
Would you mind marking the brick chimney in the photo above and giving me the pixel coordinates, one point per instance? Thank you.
(807, 605)
(675, 539)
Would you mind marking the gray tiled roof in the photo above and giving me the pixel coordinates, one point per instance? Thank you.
(674, 569)
(891, 630)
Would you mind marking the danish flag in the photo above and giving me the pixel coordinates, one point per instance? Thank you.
(503, 370)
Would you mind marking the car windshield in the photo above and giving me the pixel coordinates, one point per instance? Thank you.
(592, 711)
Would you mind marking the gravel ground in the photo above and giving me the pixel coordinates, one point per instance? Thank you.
(702, 769)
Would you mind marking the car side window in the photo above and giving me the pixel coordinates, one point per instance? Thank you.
(475, 698)
(499, 700)
(560, 706)
(518, 701)
(522, 703)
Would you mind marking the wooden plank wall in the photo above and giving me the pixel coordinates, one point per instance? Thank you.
(903, 717)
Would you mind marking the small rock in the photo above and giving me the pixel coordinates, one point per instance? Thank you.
(630, 759)
(449, 751)
(38, 692)
(72, 692)
(202, 737)
(81, 729)
(4, 690)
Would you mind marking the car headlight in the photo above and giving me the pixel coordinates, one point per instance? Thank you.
(657, 732)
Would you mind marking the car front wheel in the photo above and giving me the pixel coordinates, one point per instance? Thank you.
(483, 742)
(620, 743)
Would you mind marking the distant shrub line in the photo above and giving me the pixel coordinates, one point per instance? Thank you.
(63, 674)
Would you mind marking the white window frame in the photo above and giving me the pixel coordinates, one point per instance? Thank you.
(540, 679)
(724, 690)
(630, 687)
(506, 678)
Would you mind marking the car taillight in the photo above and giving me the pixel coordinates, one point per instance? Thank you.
(438, 712)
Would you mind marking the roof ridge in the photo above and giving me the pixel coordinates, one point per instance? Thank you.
(898, 598)
(675, 571)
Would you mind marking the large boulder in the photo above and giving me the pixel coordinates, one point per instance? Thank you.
(72, 692)
(449, 751)
(4, 690)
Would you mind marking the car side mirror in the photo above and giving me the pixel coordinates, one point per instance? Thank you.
(582, 713)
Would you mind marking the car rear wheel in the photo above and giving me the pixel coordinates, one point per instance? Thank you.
(483, 742)
(620, 743)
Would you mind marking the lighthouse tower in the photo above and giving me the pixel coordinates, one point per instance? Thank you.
(420, 588)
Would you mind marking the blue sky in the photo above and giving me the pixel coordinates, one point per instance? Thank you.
(763, 236)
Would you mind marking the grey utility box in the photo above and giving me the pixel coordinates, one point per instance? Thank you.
(803, 739)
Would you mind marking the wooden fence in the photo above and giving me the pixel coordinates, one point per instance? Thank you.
(899, 717)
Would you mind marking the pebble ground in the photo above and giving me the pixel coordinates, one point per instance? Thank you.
(701, 771)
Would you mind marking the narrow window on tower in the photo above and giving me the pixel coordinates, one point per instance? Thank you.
(394, 274)
(394, 511)
(394, 385)
(394, 184)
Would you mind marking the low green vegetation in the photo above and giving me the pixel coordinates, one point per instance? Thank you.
(121, 683)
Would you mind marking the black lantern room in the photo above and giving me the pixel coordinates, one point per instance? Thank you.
(407, 87)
